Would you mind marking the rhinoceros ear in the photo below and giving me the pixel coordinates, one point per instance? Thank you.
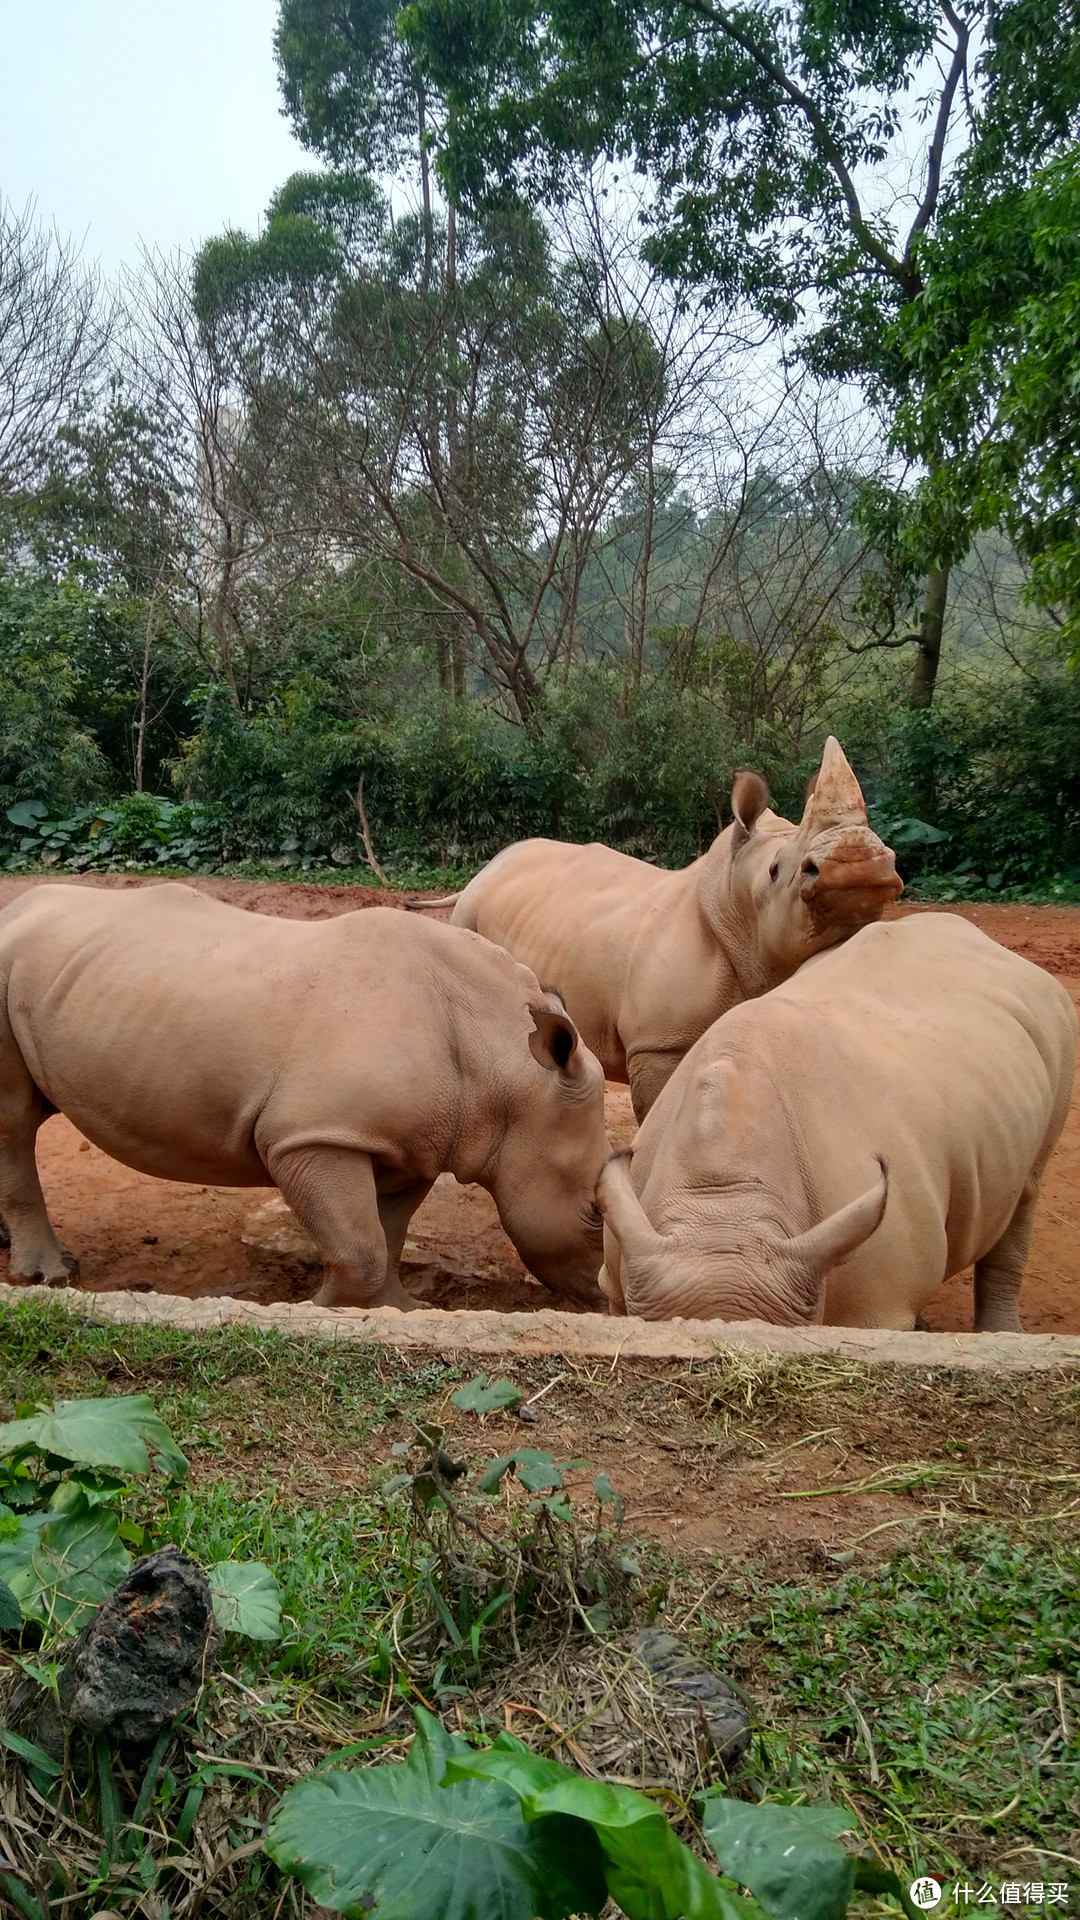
(749, 799)
(554, 1039)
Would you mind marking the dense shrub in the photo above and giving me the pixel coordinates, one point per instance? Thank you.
(985, 786)
(45, 746)
(981, 792)
(71, 667)
(450, 781)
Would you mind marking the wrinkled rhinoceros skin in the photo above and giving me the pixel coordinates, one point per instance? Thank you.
(838, 1148)
(348, 1062)
(645, 959)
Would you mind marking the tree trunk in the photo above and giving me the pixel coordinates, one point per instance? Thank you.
(458, 659)
(928, 655)
(425, 180)
(442, 659)
(144, 697)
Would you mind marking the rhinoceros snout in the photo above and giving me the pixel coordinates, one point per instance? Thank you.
(851, 882)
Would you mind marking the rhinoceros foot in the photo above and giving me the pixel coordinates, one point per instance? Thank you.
(49, 1270)
(339, 1293)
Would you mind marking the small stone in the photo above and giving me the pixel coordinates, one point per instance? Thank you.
(680, 1672)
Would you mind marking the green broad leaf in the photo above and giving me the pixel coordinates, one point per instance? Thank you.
(560, 1506)
(476, 1396)
(787, 1856)
(11, 1614)
(540, 1477)
(63, 1563)
(608, 1497)
(492, 1477)
(247, 1598)
(394, 1841)
(27, 813)
(99, 1487)
(872, 1878)
(650, 1874)
(118, 1433)
(534, 1468)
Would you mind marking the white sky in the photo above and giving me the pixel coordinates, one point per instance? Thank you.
(134, 122)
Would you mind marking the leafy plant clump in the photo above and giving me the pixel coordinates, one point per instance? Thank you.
(547, 1567)
(65, 1471)
(140, 829)
(505, 1834)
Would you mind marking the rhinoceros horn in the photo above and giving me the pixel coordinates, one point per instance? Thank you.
(849, 876)
(837, 1236)
(623, 1211)
(835, 797)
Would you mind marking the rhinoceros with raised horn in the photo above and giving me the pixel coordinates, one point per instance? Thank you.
(646, 959)
(836, 1149)
(347, 1062)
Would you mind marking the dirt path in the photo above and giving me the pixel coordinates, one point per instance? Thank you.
(135, 1232)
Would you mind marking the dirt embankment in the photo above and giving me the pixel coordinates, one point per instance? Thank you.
(135, 1232)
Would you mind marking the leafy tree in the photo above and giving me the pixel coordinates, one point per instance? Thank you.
(994, 341)
(356, 96)
(772, 137)
(470, 429)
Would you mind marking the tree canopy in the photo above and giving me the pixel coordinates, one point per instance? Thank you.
(994, 344)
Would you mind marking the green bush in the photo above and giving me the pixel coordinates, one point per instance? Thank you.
(70, 667)
(979, 794)
(992, 771)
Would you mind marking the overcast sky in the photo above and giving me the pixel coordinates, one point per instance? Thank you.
(136, 122)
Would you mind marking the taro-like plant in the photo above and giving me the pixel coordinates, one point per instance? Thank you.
(64, 1538)
(453, 1833)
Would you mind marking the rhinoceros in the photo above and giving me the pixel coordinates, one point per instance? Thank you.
(836, 1149)
(347, 1062)
(646, 959)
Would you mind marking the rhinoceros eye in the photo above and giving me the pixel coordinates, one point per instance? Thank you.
(774, 870)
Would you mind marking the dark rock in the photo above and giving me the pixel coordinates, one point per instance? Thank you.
(143, 1657)
(724, 1717)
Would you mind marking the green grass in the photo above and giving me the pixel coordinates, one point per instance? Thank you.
(936, 1692)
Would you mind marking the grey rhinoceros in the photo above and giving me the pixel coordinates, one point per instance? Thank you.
(347, 1062)
(836, 1149)
(645, 959)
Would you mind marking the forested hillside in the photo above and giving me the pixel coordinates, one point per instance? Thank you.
(509, 481)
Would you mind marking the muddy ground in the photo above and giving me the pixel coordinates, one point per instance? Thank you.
(135, 1232)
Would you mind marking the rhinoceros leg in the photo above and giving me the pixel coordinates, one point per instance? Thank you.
(999, 1273)
(648, 1074)
(332, 1192)
(395, 1212)
(36, 1253)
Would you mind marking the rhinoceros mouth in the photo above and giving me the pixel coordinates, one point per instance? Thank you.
(851, 885)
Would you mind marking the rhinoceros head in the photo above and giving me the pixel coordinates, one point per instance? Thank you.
(552, 1145)
(726, 1259)
(795, 889)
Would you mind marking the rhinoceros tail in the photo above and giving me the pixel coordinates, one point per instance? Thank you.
(427, 906)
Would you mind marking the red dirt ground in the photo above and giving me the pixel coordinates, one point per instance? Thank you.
(135, 1232)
